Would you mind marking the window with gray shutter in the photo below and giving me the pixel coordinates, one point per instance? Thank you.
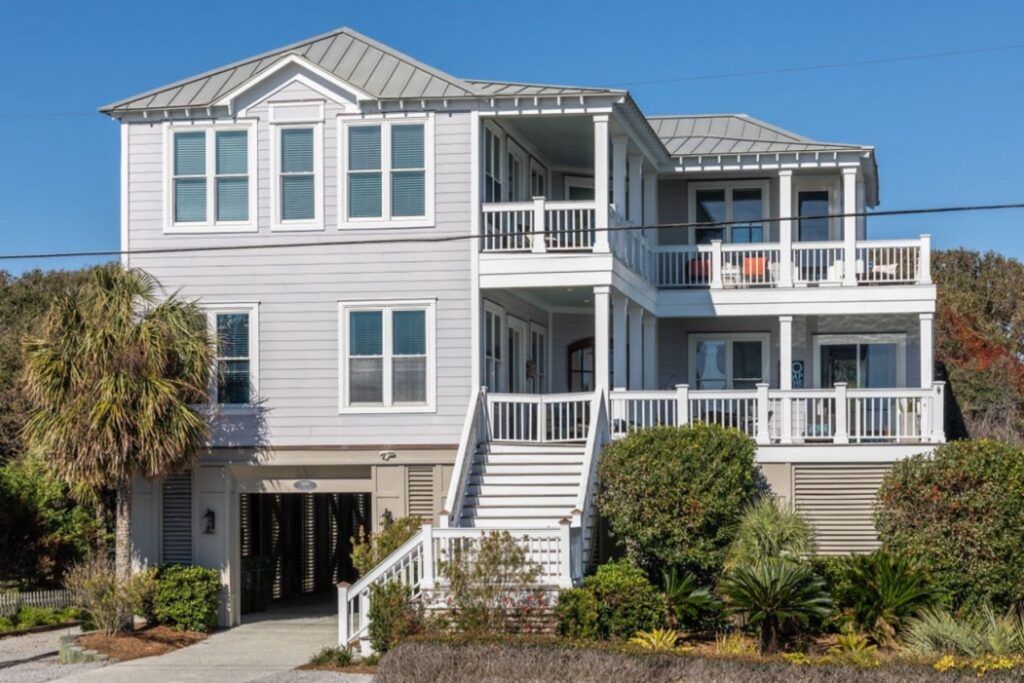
(176, 545)
(421, 491)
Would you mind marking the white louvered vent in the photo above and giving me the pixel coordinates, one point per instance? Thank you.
(421, 491)
(840, 501)
(177, 519)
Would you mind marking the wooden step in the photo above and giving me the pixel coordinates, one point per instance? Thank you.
(523, 468)
(520, 479)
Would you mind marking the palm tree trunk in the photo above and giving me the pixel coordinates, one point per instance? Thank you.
(123, 532)
(770, 635)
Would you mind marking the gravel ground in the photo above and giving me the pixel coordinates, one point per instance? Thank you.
(33, 658)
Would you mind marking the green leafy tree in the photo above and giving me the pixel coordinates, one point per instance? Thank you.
(771, 528)
(673, 495)
(777, 596)
(112, 377)
(959, 514)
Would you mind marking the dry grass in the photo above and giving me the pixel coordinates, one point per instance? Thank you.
(534, 661)
(147, 642)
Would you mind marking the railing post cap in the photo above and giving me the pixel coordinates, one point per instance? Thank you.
(565, 521)
(682, 386)
(344, 584)
(762, 384)
(840, 384)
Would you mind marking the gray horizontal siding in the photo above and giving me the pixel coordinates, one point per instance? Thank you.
(299, 288)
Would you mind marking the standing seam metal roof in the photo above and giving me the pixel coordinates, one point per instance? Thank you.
(732, 134)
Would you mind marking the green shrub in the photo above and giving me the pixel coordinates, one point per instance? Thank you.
(776, 595)
(491, 585)
(959, 515)
(881, 591)
(626, 600)
(6, 625)
(688, 604)
(141, 593)
(30, 617)
(333, 656)
(577, 612)
(187, 598)
(393, 615)
(673, 495)
(370, 549)
(976, 634)
(771, 528)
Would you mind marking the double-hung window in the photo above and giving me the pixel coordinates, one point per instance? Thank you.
(210, 170)
(297, 200)
(234, 327)
(739, 208)
(387, 356)
(728, 361)
(387, 172)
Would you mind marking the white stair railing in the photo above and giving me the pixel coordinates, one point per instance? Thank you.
(474, 431)
(584, 514)
(539, 418)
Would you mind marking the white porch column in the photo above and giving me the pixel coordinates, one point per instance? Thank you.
(650, 352)
(636, 192)
(786, 228)
(620, 305)
(927, 350)
(850, 226)
(620, 144)
(601, 182)
(602, 337)
(636, 347)
(785, 352)
(650, 217)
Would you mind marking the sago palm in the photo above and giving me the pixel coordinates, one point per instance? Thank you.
(774, 593)
(112, 378)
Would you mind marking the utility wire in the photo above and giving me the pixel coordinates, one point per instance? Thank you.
(817, 67)
(470, 236)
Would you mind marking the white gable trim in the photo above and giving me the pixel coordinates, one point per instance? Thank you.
(230, 98)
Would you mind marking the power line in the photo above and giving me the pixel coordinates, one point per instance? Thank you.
(817, 67)
(469, 236)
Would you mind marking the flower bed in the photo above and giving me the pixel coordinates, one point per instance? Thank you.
(147, 642)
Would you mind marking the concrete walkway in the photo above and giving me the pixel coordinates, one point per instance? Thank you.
(265, 645)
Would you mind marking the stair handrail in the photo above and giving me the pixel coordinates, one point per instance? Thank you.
(472, 428)
(420, 577)
(598, 435)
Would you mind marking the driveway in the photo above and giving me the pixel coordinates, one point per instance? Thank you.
(33, 658)
(265, 646)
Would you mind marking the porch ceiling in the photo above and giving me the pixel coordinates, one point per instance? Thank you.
(565, 140)
(558, 297)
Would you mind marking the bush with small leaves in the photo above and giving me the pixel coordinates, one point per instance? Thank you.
(626, 600)
(370, 549)
(94, 588)
(393, 615)
(332, 657)
(577, 612)
(187, 598)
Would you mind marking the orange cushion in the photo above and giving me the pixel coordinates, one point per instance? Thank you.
(755, 266)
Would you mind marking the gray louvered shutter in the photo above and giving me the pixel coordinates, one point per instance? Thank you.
(840, 501)
(177, 519)
(421, 491)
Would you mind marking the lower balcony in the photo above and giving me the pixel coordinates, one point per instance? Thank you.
(839, 415)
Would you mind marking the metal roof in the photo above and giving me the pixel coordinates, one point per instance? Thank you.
(367, 65)
(732, 134)
(511, 89)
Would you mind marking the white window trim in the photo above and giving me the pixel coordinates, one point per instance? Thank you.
(728, 186)
(429, 160)
(500, 373)
(898, 338)
(823, 183)
(387, 306)
(253, 310)
(516, 151)
(694, 338)
(276, 223)
(211, 224)
(502, 145)
(570, 181)
(523, 328)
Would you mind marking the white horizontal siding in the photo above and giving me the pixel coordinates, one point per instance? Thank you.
(299, 288)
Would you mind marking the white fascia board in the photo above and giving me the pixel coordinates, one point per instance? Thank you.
(284, 62)
(839, 454)
(797, 301)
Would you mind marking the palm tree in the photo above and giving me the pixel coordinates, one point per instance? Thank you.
(775, 593)
(111, 379)
(771, 528)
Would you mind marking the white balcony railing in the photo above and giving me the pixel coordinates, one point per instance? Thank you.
(538, 226)
(539, 417)
(774, 416)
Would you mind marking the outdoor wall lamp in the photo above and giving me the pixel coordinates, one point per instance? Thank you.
(211, 521)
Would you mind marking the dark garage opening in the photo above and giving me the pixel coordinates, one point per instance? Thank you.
(296, 544)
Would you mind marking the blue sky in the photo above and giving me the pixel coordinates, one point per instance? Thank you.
(947, 130)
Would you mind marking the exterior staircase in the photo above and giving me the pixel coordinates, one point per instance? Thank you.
(522, 485)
